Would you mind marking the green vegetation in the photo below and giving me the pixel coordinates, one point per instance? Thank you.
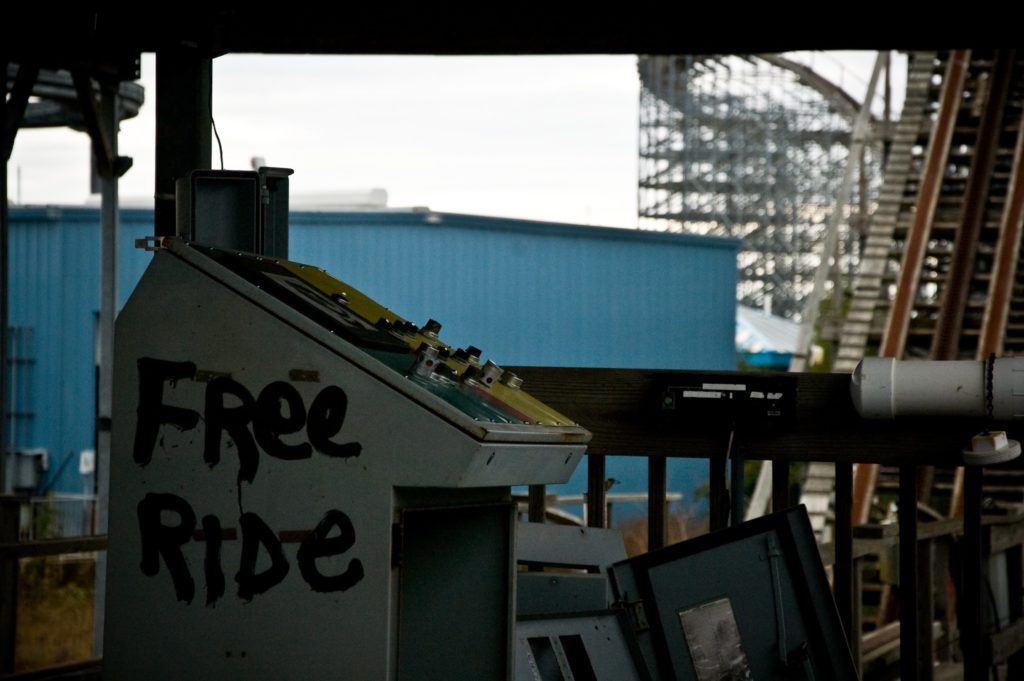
(55, 611)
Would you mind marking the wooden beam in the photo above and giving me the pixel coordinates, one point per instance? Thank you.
(53, 547)
(949, 323)
(620, 407)
(1002, 533)
(1007, 642)
(897, 324)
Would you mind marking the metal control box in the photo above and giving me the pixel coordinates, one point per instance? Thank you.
(304, 485)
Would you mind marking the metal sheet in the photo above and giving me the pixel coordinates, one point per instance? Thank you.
(762, 581)
(585, 647)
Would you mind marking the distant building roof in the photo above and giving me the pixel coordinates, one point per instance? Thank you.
(758, 331)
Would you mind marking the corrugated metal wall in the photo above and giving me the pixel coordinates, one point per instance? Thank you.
(535, 293)
(53, 307)
(525, 292)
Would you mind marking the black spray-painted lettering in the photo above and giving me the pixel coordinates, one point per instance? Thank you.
(152, 412)
(326, 417)
(271, 423)
(235, 420)
(256, 533)
(167, 542)
(159, 540)
(252, 424)
(319, 545)
(211, 566)
(229, 407)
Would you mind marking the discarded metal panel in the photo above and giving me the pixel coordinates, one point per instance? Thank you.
(748, 602)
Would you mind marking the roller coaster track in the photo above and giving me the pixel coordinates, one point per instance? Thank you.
(940, 274)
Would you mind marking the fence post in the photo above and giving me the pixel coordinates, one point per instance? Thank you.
(10, 516)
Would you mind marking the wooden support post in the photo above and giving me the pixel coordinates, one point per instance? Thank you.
(971, 603)
(842, 568)
(596, 491)
(718, 495)
(925, 609)
(657, 490)
(10, 512)
(736, 500)
(6, 142)
(537, 503)
(1015, 577)
(857, 616)
(909, 633)
(780, 485)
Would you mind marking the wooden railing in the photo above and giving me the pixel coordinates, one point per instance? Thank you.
(11, 551)
(622, 408)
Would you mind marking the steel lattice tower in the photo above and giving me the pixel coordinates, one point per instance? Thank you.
(750, 147)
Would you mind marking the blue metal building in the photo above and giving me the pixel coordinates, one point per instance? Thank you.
(526, 292)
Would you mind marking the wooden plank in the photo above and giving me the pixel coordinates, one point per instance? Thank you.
(898, 323)
(1004, 268)
(1005, 643)
(949, 323)
(621, 408)
(1002, 533)
(53, 547)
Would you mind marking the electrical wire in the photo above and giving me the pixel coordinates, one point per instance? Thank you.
(220, 147)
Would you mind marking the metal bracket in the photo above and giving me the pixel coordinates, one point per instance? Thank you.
(108, 164)
(636, 609)
(15, 114)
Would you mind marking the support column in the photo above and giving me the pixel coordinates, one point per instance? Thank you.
(718, 495)
(736, 484)
(780, 486)
(842, 568)
(10, 511)
(909, 633)
(184, 85)
(970, 601)
(109, 227)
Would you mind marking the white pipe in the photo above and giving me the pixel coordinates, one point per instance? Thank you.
(884, 388)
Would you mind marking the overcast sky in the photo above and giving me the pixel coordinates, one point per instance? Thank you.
(550, 138)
